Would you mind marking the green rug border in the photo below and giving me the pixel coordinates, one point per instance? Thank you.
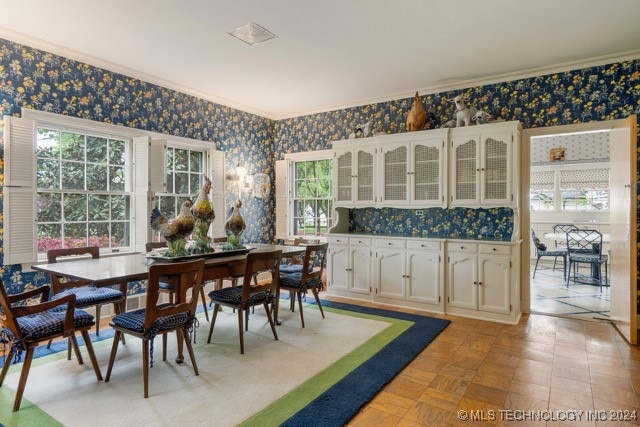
(280, 410)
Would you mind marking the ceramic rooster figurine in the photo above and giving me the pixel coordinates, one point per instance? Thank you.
(234, 227)
(204, 214)
(175, 231)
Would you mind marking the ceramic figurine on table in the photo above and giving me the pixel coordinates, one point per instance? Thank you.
(204, 215)
(234, 227)
(175, 231)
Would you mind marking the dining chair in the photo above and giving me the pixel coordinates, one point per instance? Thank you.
(543, 251)
(166, 286)
(31, 324)
(295, 266)
(562, 228)
(585, 247)
(308, 279)
(87, 294)
(160, 319)
(248, 294)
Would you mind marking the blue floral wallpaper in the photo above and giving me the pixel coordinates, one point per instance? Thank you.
(36, 79)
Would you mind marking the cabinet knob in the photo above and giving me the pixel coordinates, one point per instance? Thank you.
(479, 283)
(494, 249)
(422, 246)
(461, 247)
(390, 243)
(475, 283)
(407, 276)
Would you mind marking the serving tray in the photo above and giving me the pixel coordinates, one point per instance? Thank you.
(218, 253)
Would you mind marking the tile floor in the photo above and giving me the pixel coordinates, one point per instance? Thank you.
(547, 367)
(550, 295)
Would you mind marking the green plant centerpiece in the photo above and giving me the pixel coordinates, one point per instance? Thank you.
(204, 216)
(234, 227)
(175, 231)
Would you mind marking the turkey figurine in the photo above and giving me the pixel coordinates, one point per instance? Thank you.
(234, 227)
(175, 231)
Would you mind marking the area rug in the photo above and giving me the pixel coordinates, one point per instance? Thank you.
(318, 375)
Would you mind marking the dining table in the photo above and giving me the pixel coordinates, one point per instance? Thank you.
(121, 269)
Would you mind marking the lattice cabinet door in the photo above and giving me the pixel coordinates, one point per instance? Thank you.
(465, 171)
(343, 172)
(428, 173)
(365, 176)
(395, 174)
(496, 173)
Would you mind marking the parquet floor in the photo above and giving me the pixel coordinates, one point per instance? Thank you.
(545, 371)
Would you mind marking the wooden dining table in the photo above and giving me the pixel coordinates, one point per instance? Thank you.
(121, 269)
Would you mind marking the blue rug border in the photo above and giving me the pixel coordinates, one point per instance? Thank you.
(363, 383)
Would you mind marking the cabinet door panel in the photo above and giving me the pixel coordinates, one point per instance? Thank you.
(389, 273)
(429, 179)
(395, 175)
(496, 169)
(343, 169)
(365, 175)
(464, 171)
(337, 267)
(423, 277)
(463, 288)
(494, 290)
(360, 270)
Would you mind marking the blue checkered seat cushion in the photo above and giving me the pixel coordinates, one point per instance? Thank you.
(292, 268)
(165, 286)
(585, 257)
(90, 295)
(233, 295)
(134, 320)
(51, 322)
(295, 281)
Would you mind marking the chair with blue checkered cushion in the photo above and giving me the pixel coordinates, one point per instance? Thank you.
(308, 279)
(31, 324)
(160, 319)
(248, 295)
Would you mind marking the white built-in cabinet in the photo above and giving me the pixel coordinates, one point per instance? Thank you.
(354, 183)
(349, 264)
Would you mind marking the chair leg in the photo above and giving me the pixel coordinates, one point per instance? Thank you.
(185, 335)
(164, 347)
(214, 316)
(317, 296)
(8, 358)
(204, 303)
(69, 348)
(145, 366)
(117, 310)
(299, 294)
(112, 357)
(535, 268)
(74, 342)
(26, 365)
(98, 319)
(92, 354)
(240, 314)
(49, 344)
(271, 322)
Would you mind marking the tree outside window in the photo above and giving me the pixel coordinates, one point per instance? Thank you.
(312, 197)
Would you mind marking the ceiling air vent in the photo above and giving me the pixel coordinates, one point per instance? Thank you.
(252, 33)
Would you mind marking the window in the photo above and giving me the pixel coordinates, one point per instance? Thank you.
(583, 187)
(83, 190)
(185, 170)
(304, 194)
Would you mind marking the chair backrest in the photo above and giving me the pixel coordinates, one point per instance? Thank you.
(54, 254)
(314, 255)
(6, 316)
(537, 243)
(302, 241)
(18, 302)
(261, 262)
(563, 228)
(188, 275)
(589, 241)
(150, 246)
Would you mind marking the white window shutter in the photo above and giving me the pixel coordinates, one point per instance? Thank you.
(149, 176)
(216, 174)
(282, 199)
(19, 191)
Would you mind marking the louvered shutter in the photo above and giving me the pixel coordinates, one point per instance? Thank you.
(216, 173)
(20, 238)
(149, 177)
(282, 199)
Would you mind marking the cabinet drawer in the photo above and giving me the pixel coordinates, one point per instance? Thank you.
(416, 244)
(360, 241)
(389, 243)
(338, 240)
(462, 247)
(495, 249)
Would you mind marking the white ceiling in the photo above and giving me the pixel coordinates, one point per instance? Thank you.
(329, 54)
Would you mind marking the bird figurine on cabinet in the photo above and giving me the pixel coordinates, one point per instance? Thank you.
(175, 231)
(417, 116)
(233, 228)
(204, 215)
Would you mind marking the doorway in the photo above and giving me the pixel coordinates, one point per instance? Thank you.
(621, 222)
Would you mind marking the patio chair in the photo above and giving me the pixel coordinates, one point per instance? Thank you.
(542, 251)
(585, 247)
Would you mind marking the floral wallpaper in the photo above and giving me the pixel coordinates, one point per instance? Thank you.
(36, 79)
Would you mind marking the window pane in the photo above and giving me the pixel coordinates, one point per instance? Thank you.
(170, 158)
(120, 234)
(72, 176)
(99, 234)
(167, 206)
(49, 207)
(195, 183)
(182, 183)
(312, 190)
(49, 237)
(97, 149)
(75, 207)
(99, 208)
(120, 207)
(170, 188)
(542, 200)
(300, 170)
(181, 160)
(97, 177)
(324, 169)
(48, 174)
(75, 234)
(48, 143)
(116, 178)
(196, 161)
(73, 146)
(117, 152)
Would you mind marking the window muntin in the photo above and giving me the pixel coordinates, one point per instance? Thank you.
(312, 197)
(83, 190)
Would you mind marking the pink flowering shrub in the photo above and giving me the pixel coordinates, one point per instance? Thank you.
(46, 243)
